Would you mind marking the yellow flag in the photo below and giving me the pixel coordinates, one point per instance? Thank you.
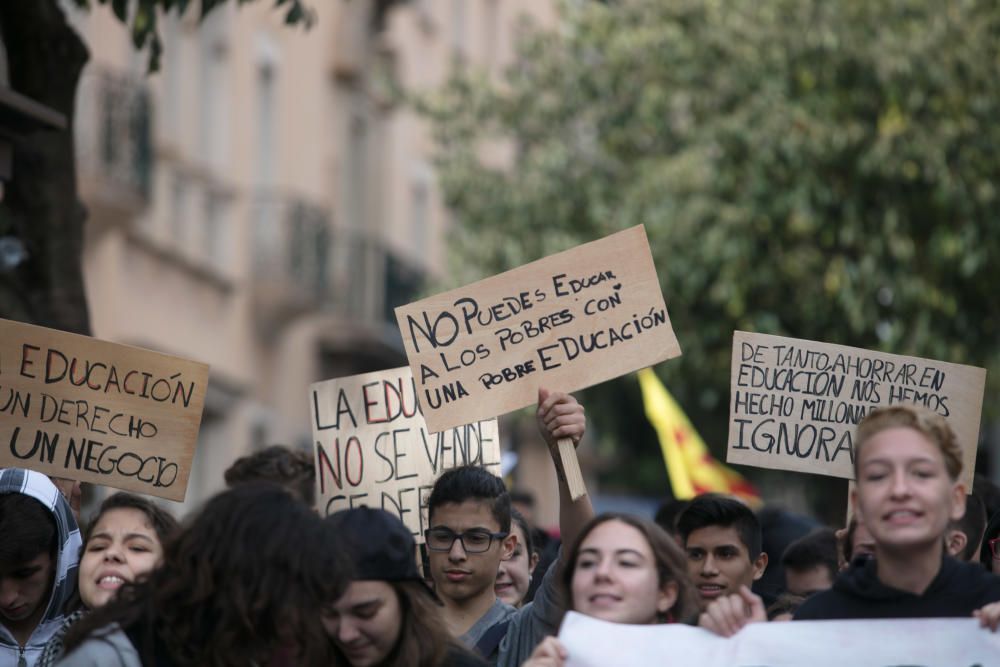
(690, 466)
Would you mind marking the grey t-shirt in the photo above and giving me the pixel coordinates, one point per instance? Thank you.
(498, 613)
(108, 648)
(528, 625)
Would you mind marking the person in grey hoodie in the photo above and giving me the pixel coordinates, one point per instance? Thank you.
(39, 553)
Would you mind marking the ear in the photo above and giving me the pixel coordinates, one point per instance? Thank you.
(855, 507)
(759, 566)
(955, 541)
(533, 562)
(667, 598)
(957, 501)
(507, 546)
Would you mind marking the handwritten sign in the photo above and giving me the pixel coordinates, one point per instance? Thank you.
(953, 642)
(77, 407)
(373, 448)
(794, 404)
(565, 322)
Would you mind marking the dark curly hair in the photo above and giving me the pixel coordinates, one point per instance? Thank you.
(293, 469)
(244, 579)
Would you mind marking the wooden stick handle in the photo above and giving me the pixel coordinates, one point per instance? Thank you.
(571, 468)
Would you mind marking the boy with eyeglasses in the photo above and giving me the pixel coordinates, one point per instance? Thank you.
(469, 534)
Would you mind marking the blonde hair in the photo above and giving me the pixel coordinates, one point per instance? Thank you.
(931, 425)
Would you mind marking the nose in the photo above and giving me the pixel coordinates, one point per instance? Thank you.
(708, 567)
(347, 631)
(8, 592)
(604, 569)
(114, 552)
(457, 551)
(900, 484)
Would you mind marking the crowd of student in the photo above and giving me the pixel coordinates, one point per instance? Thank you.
(256, 577)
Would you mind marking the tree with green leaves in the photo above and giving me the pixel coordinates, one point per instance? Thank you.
(822, 170)
(40, 206)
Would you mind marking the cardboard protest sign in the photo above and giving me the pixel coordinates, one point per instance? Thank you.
(794, 404)
(99, 412)
(569, 321)
(373, 448)
(867, 643)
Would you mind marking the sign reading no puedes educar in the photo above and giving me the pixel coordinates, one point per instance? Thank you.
(85, 409)
(565, 322)
(795, 404)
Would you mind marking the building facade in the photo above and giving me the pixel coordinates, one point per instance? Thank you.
(265, 201)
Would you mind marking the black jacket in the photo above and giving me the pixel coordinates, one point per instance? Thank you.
(958, 589)
(459, 656)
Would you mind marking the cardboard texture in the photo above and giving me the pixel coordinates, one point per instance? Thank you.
(373, 448)
(566, 322)
(77, 407)
(795, 404)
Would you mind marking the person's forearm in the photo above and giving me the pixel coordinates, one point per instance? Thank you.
(573, 516)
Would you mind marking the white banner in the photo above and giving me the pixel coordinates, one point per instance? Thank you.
(869, 643)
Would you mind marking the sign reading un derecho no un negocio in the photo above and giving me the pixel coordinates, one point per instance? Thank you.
(77, 407)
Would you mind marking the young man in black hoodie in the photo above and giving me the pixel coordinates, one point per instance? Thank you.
(907, 464)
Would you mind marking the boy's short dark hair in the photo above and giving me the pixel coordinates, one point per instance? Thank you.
(293, 469)
(818, 548)
(471, 483)
(27, 529)
(712, 509)
(668, 512)
(973, 524)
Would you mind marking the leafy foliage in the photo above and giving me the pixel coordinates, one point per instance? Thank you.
(143, 19)
(823, 170)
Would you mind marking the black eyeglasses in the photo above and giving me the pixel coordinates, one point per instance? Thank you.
(475, 541)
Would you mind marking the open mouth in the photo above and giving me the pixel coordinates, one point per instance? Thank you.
(902, 517)
(604, 599)
(710, 591)
(111, 582)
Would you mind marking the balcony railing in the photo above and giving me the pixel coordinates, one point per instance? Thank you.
(304, 264)
(113, 128)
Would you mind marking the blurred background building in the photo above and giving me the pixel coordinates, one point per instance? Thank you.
(264, 201)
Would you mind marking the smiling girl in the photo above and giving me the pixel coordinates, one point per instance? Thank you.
(908, 466)
(623, 569)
